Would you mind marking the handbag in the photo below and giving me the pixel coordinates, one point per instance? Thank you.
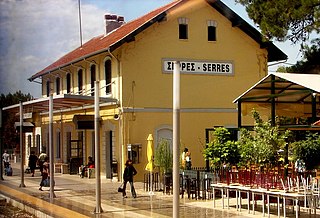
(46, 182)
(120, 189)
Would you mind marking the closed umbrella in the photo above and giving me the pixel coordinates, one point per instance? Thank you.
(149, 166)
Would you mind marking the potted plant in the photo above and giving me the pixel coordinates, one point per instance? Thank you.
(163, 159)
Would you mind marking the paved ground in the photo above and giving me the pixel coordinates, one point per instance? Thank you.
(76, 197)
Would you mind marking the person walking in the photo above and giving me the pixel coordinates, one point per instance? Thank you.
(128, 174)
(45, 173)
(33, 159)
(6, 161)
(41, 160)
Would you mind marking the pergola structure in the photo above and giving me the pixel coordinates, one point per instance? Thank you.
(60, 103)
(288, 93)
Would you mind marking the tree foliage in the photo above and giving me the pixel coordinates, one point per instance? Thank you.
(163, 156)
(261, 146)
(10, 137)
(222, 150)
(307, 150)
(285, 19)
(310, 62)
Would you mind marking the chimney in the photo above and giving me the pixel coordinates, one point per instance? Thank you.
(113, 22)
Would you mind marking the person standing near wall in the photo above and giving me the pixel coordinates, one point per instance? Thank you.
(33, 159)
(128, 174)
(188, 159)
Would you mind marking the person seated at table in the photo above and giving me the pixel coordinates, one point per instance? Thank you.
(90, 164)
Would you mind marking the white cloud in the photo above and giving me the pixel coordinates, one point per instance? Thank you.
(35, 33)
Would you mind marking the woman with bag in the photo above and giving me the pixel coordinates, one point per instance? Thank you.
(45, 175)
(128, 174)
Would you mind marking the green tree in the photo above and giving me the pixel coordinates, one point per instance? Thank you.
(307, 150)
(163, 156)
(261, 147)
(10, 137)
(285, 19)
(222, 150)
(310, 62)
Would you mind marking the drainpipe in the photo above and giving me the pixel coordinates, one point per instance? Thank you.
(121, 140)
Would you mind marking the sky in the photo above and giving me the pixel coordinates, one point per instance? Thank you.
(35, 33)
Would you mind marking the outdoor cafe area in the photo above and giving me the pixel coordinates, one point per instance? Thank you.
(273, 191)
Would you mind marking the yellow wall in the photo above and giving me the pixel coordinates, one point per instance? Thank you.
(145, 86)
(142, 62)
(206, 100)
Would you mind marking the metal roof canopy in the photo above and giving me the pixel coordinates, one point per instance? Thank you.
(283, 88)
(60, 102)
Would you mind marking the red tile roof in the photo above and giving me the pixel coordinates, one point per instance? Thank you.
(123, 34)
(104, 42)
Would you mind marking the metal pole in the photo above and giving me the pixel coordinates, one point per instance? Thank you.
(51, 151)
(1, 146)
(273, 101)
(314, 107)
(80, 29)
(21, 147)
(239, 114)
(98, 208)
(176, 137)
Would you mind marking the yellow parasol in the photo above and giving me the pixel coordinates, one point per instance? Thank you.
(149, 166)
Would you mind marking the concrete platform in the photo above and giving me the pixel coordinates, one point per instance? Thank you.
(76, 197)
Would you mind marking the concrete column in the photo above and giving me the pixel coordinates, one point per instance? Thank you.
(176, 137)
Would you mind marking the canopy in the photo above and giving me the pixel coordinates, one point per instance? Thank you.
(292, 94)
(60, 102)
(288, 88)
(26, 126)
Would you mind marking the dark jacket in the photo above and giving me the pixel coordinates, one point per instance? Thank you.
(33, 161)
(128, 173)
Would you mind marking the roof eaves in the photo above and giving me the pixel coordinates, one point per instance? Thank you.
(130, 37)
(67, 64)
(274, 53)
(126, 38)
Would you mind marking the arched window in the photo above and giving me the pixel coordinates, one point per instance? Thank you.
(183, 27)
(80, 81)
(68, 79)
(48, 88)
(212, 31)
(93, 78)
(58, 85)
(107, 72)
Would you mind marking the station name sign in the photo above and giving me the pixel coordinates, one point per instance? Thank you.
(199, 67)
